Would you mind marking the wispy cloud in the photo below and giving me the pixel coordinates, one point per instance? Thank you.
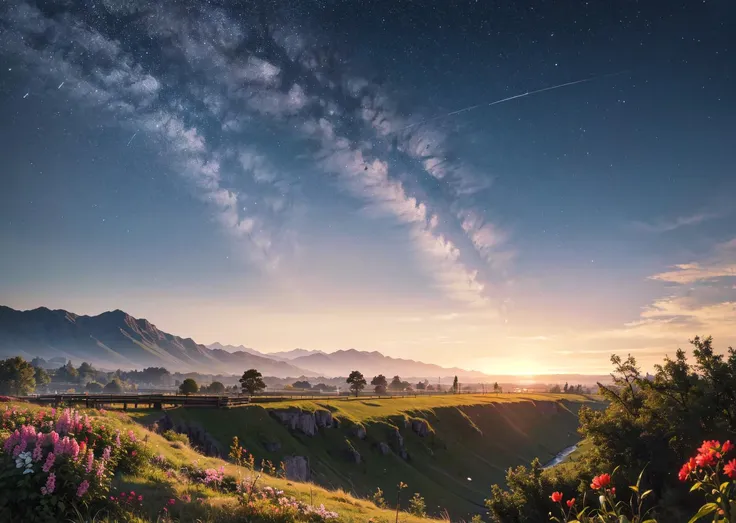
(720, 264)
(222, 81)
(676, 223)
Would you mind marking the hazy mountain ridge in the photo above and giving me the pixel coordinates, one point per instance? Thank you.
(117, 340)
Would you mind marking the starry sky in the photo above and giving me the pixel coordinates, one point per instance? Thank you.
(334, 174)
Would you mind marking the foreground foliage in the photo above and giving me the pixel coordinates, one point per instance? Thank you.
(648, 430)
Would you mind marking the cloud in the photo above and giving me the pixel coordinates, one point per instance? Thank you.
(721, 264)
(223, 81)
(671, 225)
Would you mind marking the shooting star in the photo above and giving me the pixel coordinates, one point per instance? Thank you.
(26, 95)
(62, 83)
(131, 138)
(508, 99)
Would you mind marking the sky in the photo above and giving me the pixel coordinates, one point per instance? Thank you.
(335, 174)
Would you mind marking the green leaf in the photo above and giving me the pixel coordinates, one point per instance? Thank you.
(696, 486)
(646, 493)
(724, 486)
(704, 511)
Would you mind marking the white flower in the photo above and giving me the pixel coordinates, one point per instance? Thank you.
(28, 471)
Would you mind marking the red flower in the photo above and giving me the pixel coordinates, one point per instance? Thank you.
(706, 459)
(686, 469)
(730, 469)
(556, 497)
(601, 481)
(727, 446)
(613, 490)
(570, 502)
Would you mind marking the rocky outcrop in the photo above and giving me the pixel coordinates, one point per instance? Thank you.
(399, 443)
(323, 418)
(421, 427)
(358, 431)
(299, 420)
(198, 437)
(354, 456)
(297, 468)
(304, 421)
(383, 448)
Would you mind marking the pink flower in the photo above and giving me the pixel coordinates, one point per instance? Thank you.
(83, 487)
(50, 485)
(90, 461)
(106, 454)
(38, 451)
(49, 462)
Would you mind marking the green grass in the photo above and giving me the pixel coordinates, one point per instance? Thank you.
(475, 439)
(217, 507)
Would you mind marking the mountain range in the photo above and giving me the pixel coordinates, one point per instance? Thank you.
(116, 339)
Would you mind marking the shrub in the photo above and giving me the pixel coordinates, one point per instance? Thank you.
(54, 463)
(175, 436)
(417, 506)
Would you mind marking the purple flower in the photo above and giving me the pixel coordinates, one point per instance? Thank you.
(106, 454)
(90, 461)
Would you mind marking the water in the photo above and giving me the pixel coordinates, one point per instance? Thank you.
(560, 457)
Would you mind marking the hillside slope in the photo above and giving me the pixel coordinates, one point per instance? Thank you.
(464, 444)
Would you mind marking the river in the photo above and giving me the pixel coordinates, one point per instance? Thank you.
(560, 457)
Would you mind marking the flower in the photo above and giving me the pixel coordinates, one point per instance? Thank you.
(601, 481)
(705, 459)
(686, 469)
(83, 487)
(50, 485)
(556, 497)
(730, 469)
(49, 462)
(570, 502)
(727, 447)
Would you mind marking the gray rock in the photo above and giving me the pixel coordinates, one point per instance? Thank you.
(421, 427)
(297, 468)
(358, 431)
(398, 438)
(354, 456)
(323, 418)
(299, 420)
(383, 448)
(406, 423)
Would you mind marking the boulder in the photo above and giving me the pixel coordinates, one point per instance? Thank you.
(420, 426)
(297, 468)
(398, 439)
(323, 418)
(383, 448)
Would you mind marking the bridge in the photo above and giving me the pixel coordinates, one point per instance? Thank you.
(154, 401)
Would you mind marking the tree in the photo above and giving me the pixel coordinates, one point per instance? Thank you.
(357, 382)
(188, 386)
(379, 384)
(555, 389)
(421, 386)
(86, 371)
(17, 377)
(41, 376)
(302, 385)
(455, 385)
(67, 373)
(93, 387)
(496, 388)
(324, 388)
(396, 384)
(252, 381)
(565, 388)
(115, 386)
(216, 387)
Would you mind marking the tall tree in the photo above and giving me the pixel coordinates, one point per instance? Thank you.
(41, 376)
(17, 377)
(379, 384)
(93, 387)
(189, 386)
(357, 382)
(216, 387)
(497, 389)
(396, 384)
(302, 385)
(252, 381)
(67, 373)
(115, 386)
(455, 385)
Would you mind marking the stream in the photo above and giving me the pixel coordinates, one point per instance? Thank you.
(560, 457)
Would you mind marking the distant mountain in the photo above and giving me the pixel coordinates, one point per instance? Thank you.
(117, 340)
(239, 348)
(289, 355)
(341, 362)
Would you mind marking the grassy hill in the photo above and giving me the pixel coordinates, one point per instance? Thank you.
(195, 502)
(471, 441)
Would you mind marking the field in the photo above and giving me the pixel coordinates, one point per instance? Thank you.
(472, 440)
